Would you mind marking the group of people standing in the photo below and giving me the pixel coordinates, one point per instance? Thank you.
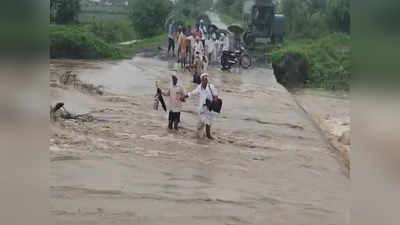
(197, 46)
(195, 49)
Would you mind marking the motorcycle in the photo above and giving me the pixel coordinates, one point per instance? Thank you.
(238, 57)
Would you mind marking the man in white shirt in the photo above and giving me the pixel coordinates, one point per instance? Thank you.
(198, 47)
(210, 50)
(203, 30)
(176, 93)
(225, 43)
(206, 91)
(171, 39)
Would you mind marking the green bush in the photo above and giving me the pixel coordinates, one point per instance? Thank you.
(148, 16)
(232, 10)
(69, 41)
(308, 19)
(328, 59)
(64, 11)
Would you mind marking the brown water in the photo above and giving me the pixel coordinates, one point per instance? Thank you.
(268, 165)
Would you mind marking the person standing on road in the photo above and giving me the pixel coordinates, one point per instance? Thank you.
(199, 48)
(206, 91)
(197, 32)
(210, 50)
(181, 47)
(203, 31)
(175, 93)
(171, 39)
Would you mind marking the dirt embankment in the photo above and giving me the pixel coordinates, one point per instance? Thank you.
(330, 111)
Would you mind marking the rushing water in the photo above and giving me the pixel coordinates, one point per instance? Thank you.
(268, 165)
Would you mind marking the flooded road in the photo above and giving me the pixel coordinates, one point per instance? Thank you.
(268, 164)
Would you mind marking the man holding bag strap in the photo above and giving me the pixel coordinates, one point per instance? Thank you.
(206, 92)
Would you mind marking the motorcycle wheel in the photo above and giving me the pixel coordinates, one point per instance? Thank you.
(245, 61)
(225, 65)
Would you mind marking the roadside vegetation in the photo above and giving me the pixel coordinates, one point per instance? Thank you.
(322, 63)
(187, 12)
(316, 49)
(69, 38)
(77, 42)
(227, 19)
(89, 30)
(318, 36)
(230, 11)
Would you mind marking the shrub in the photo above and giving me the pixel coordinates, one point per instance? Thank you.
(68, 41)
(148, 16)
(64, 11)
(328, 60)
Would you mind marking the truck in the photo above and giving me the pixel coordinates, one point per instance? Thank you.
(261, 23)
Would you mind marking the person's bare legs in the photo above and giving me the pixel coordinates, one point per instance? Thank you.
(176, 123)
(200, 129)
(208, 132)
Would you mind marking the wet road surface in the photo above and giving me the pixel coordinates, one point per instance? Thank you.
(268, 164)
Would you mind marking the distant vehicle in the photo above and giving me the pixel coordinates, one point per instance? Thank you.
(262, 25)
(237, 57)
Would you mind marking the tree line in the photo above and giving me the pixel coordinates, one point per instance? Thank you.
(146, 16)
(304, 18)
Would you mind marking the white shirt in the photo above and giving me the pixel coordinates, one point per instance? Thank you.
(210, 45)
(198, 47)
(204, 94)
(170, 31)
(203, 31)
(175, 93)
(225, 44)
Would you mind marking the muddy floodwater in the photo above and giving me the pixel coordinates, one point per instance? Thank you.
(269, 165)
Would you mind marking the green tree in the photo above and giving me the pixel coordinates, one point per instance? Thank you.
(339, 13)
(64, 11)
(148, 16)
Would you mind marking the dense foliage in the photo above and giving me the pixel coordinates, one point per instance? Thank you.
(231, 8)
(112, 31)
(78, 43)
(64, 11)
(328, 59)
(311, 18)
(304, 18)
(148, 16)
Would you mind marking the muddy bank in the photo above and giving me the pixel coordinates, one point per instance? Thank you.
(331, 113)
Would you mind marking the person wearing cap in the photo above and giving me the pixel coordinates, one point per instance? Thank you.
(206, 91)
(198, 49)
(175, 93)
(203, 31)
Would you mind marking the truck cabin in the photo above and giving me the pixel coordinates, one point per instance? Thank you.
(262, 17)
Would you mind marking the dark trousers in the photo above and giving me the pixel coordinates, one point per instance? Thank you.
(173, 119)
(171, 45)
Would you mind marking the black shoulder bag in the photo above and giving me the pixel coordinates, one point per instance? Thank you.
(214, 105)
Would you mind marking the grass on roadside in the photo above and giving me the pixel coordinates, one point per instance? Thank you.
(77, 42)
(151, 44)
(228, 20)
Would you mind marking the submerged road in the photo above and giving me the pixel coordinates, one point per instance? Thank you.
(268, 165)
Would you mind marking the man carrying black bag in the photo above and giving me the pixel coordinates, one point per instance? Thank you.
(208, 93)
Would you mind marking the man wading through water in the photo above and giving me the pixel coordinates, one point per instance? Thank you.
(176, 94)
(206, 91)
